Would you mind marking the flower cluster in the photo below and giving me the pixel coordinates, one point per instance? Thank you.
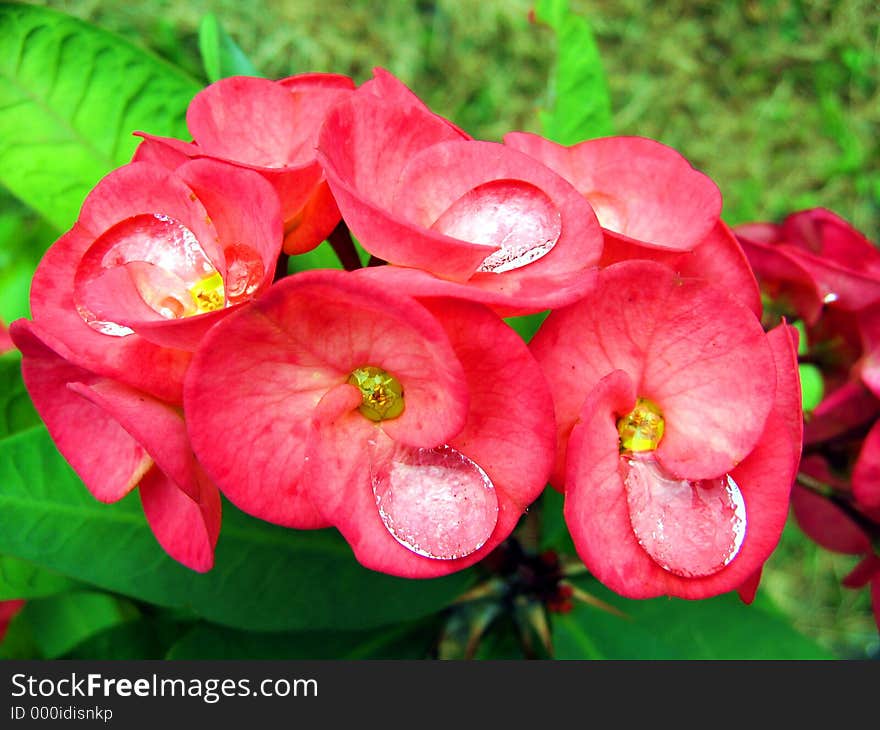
(819, 271)
(171, 352)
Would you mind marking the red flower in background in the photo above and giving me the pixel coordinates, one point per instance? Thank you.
(270, 127)
(679, 429)
(341, 403)
(454, 216)
(841, 530)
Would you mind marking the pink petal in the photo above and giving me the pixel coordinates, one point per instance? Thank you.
(748, 589)
(510, 295)
(827, 524)
(866, 474)
(718, 259)
(250, 120)
(260, 374)
(846, 408)
(641, 190)
(187, 529)
(867, 569)
(108, 459)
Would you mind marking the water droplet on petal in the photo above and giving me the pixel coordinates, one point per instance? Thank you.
(512, 214)
(690, 528)
(165, 264)
(830, 298)
(244, 272)
(436, 502)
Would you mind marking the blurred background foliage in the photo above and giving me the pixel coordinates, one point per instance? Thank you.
(778, 101)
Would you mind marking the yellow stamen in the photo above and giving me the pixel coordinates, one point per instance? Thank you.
(382, 393)
(208, 294)
(642, 428)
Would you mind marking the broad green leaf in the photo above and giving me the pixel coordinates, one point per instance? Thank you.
(23, 239)
(266, 578)
(20, 579)
(70, 97)
(61, 622)
(221, 55)
(579, 105)
(142, 638)
(402, 641)
(17, 412)
(322, 257)
(671, 628)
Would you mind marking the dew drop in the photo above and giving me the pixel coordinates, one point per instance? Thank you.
(512, 214)
(690, 528)
(244, 272)
(830, 298)
(163, 264)
(436, 502)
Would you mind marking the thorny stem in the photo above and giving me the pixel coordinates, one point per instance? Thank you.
(343, 246)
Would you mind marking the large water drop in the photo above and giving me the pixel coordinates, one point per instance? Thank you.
(512, 214)
(244, 272)
(153, 257)
(690, 528)
(436, 502)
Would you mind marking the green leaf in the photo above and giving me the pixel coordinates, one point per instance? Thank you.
(23, 239)
(61, 622)
(671, 628)
(403, 641)
(221, 55)
(579, 105)
(554, 530)
(266, 578)
(70, 97)
(17, 412)
(20, 579)
(143, 638)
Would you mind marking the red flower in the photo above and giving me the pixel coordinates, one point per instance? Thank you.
(456, 217)
(420, 430)
(270, 127)
(161, 254)
(812, 258)
(117, 438)
(652, 205)
(682, 424)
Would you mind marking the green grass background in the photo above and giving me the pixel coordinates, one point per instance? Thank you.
(777, 101)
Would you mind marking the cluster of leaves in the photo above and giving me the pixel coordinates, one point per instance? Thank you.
(59, 133)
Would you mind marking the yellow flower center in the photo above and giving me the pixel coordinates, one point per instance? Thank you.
(381, 392)
(642, 428)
